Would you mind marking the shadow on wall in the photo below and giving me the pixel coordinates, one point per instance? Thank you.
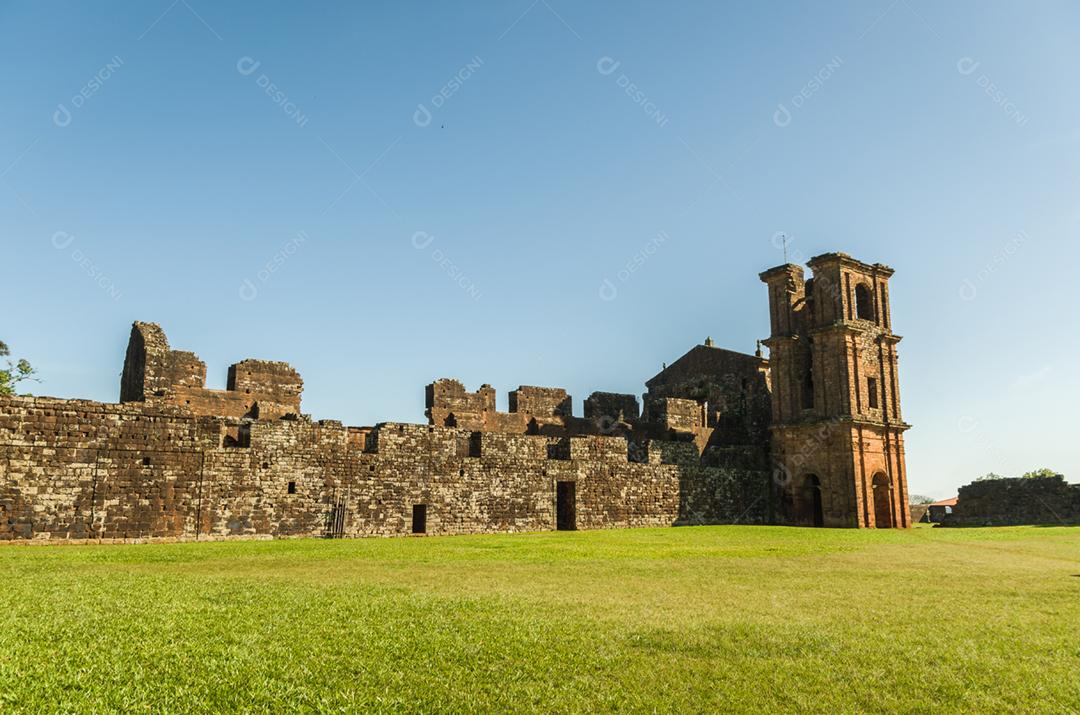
(728, 494)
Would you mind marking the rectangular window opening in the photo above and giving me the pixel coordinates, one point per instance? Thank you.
(292, 487)
(236, 436)
(808, 378)
(419, 519)
(871, 392)
(892, 389)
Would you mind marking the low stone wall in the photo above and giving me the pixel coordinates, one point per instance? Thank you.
(78, 470)
(1001, 502)
(918, 511)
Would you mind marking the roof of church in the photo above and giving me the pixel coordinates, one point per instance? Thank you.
(706, 359)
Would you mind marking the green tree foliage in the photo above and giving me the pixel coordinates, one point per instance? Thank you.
(1043, 472)
(14, 371)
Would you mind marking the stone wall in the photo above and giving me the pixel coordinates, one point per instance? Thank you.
(1001, 502)
(174, 460)
(541, 401)
(151, 368)
(277, 383)
(611, 407)
(449, 404)
(155, 373)
(731, 388)
(918, 511)
(74, 470)
(675, 413)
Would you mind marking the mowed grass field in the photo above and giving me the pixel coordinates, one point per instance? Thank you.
(692, 619)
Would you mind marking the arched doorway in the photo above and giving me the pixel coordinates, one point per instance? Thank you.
(812, 489)
(882, 501)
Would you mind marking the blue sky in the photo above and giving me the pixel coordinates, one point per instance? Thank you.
(546, 193)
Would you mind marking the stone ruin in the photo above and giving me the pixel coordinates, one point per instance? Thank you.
(157, 375)
(1012, 501)
(714, 440)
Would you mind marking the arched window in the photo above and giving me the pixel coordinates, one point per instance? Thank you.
(864, 302)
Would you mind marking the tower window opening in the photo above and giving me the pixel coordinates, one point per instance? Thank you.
(871, 392)
(864, 303)
(892, 387)
(883, 303)
(808, 379)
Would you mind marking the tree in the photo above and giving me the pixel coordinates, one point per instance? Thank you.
(921, 499)
(988, 476)
(14, 372)
(1043, 472)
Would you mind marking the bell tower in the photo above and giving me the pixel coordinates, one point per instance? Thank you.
(837, 431)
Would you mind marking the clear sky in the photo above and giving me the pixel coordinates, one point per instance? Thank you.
(547, 193)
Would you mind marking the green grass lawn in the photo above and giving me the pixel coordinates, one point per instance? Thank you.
(692, 619)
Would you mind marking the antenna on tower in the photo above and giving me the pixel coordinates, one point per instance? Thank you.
(783, 239)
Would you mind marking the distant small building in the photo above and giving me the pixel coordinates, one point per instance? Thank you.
(935, 513)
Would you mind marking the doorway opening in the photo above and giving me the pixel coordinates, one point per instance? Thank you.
(566, 506)
(419, 519)
(882, 502)
(813, 496)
